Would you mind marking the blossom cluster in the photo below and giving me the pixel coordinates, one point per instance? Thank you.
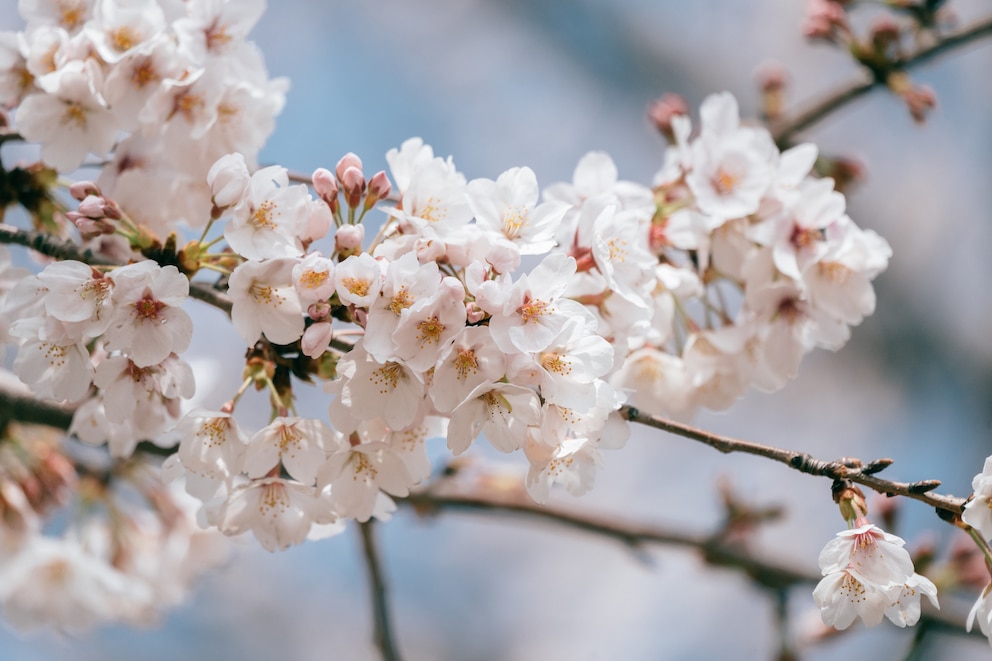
(121, 330)
(178, 79)
(750, 263)
(868, 574)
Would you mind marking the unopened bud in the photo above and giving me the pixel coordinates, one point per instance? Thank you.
(824, 18)
(920, 100)
(318, 311)
(325, 184)
(772, 78)
(661, 111)
(379, 189)
(89, 228)
(82, 189)
(348, 238)
(353, 184)
(473, 313)
(92, 206)
(349, 160)
(316, 339)
(884, 36)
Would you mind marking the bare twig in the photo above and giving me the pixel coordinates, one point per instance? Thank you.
(805, 463)
(785, 130)
(25, 408)
(383, 632)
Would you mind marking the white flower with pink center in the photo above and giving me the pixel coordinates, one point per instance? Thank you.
(148, 324)
(533, 312)
(370, 389)
(299, 444)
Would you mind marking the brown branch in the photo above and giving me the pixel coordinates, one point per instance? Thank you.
(27, 409)
(383, 632)
(771, 575)
(804, 463)
(784, 130)
(51, 246)
(633, 535)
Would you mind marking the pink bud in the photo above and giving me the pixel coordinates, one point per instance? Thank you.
(379, 187)
(662, 110)
(473, 313)
(325, 184)
(319, 311)
(81, 189)
(316, 339)
(89, 228)
(353, 183)
(349, 160)
(92, 206)
(349, 238)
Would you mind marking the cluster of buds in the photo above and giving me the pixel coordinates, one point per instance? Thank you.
(96, 213)
(349, 179)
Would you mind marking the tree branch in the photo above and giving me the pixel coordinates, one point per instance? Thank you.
(804, 463)
(68, 249)
(784, 130)
(383, 632)
(769, 574)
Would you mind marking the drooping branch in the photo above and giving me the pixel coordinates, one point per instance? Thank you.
(784, 130)
(800, 461)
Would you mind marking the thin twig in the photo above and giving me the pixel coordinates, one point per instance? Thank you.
(383, 632)
(784, 130)
(28, 409)
(805, 463)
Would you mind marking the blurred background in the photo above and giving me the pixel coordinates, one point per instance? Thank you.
(501, 83)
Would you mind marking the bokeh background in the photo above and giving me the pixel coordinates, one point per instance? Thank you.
(500, 83)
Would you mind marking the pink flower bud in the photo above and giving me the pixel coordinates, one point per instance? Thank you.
(353, 183)
(92, 206)
(661, 112)
(349, 238)
(473, 313)
(316, 339)
(325, 184)
(379, 188)
(82, 189)
(229, 180)
(89, 228)
(349, 160)
(319, 311)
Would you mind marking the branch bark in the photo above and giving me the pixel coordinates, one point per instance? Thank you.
(785, 130)
(383, 632)
(805, 463)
